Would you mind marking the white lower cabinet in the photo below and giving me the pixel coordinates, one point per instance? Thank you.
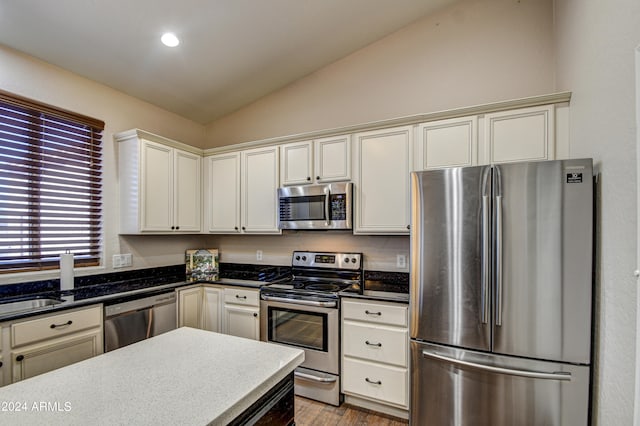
(36, 359)
(200, 307)
(211, 314)
(46, 342)
(375, 352)
(228, 310)
(190, 307)
(242, 313)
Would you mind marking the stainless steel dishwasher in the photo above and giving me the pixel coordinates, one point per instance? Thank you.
(131, 321)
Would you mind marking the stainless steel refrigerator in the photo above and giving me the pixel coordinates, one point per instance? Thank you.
(501, 294)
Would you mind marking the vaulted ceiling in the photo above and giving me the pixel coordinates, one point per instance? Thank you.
(231, 52)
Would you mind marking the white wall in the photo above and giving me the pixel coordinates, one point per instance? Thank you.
(475, 52)
(29, 77)
(595, 60)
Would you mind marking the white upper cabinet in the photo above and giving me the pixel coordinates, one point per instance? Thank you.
(241, 192)
(317, 161)
(187, 191)
(447, 143)
(259, 190)
(332, 158)
(297, 163)
(382, 162)
(526, 134)
(160, 185)
(222, 193)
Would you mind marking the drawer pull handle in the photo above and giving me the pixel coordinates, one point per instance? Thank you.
(61, 325)
(372, 313)
(377, 382)
(241, 297)
(19, 358)
(368, 343)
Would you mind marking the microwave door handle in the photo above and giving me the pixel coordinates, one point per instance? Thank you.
(327, 201)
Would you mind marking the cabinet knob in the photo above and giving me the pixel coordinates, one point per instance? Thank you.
(308, 178)
(19, 357)
(0, 363)
(408, 226)
(317, 177)
(177, 227)
(235, 227)
(173, 227)
(255, 314)
(243, 228)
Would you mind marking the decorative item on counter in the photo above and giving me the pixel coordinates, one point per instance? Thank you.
(202, 265)
(66, 271)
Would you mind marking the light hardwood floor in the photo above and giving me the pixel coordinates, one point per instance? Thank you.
(313, 413)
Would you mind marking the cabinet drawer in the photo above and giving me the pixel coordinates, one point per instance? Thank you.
(55, 325)
(376, 343)
(375, 312)
(383, 383)
(239, 296)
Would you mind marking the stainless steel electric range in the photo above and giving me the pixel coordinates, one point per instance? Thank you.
(304, 312)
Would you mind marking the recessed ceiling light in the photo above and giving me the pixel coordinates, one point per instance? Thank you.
(170, 39)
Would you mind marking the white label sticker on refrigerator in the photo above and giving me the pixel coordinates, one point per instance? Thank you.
(574, 177)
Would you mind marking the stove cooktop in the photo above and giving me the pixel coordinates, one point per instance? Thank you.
(320, 275)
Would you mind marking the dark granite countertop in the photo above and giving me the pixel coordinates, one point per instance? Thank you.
(122, 286)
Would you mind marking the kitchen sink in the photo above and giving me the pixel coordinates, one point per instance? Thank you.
(26, 304)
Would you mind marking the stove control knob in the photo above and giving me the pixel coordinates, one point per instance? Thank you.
(346, 259)
(353, 259)
(297, 257)
(304, 258)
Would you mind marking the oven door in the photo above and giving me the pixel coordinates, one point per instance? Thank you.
(311, 328)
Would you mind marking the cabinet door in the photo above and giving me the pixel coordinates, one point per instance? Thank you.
(259, 184)
(297, 163)
(49, 355)
(526, 134)
(333, 158)
(211, 319)
(223, 193)
(447, 143)
(156, 187)
(187, 191)
(242, 321)
(190, 307)
(381, 176)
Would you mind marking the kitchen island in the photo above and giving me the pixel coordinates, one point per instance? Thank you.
(186, 377)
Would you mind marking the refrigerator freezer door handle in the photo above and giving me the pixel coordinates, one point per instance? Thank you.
(499, 370)
(484, 312)
(499, 260)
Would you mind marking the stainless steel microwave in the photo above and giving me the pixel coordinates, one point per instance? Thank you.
(315, 207)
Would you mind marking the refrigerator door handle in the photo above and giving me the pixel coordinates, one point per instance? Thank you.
(498, 260)
(484, 312)
(563, 376)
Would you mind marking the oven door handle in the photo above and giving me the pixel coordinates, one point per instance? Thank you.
(306, 376)
(323, 304)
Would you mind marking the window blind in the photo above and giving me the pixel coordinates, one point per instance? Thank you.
(50, 186)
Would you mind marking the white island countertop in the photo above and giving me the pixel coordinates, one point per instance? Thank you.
(183, 377)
